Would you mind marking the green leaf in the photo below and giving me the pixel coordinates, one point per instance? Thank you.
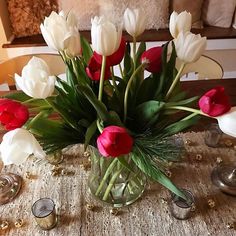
(18, 96)
(182, 102)
(147, 112)
(98, 106)
(123, 161)
(164, 71)
(115, 119)
(179, 126)
(141, 49)
(45, 131)
(86, 49)
(145, 165)
(128, 62)
(148, 88)
(178, 96)
(89, 133)
(70, 75)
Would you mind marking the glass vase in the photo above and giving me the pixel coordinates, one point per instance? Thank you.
(118, 183)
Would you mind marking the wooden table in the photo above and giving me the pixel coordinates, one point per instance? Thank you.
(199, 87)
(148, 216)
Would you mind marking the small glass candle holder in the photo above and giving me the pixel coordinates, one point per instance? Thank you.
(213, 135)
(180, 208)
(45, 213)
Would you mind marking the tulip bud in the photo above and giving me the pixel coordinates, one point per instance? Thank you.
(73, 45)
(189, 47)
(93, 70)
(35, 80)
(57, 28)
(153, 59)
(215, 102)
(114, 141)
(12, 114)
(227, 122)
(180, 23)
(17, 145)
(134, 22)
(115, 58)
(105, 36)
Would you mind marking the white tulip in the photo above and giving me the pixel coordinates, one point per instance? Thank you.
(17, 145)
(35, 80)
(189, 47)
(73, 45)
(134, 22)
(180, 23)
(105, 36)
(70, 18)
(227, 122)
(57, 28)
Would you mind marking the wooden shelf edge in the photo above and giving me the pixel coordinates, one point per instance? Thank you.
(149, 35)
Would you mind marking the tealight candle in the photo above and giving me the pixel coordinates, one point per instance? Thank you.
(45, 213)
(180, 208)
(213, 135)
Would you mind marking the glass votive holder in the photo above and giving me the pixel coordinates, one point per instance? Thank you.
(44, 213)
(180, 208)
(213, 135)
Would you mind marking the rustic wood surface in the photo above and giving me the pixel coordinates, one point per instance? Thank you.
(148, 216)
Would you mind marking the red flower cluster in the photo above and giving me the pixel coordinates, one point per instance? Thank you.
(12, 114)
(94, 67)
(215, 102)
(114, 141)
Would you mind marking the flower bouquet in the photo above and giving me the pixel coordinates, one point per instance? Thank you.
(125, 120)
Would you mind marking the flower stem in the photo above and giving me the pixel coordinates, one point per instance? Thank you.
(111, 183)
(175, 81)
(195, 111)
(30, 100)
(99, 126)
(39, 108)
(75, 68)
(38, 116)
(114, 82)
(128, 88)
(102, 78)
(121, 71)
(63, 55)
(108, 172)
(190, 116)
(134, 52)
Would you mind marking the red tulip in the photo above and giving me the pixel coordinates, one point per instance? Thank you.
(115, 58)
(153, 59)
(215, 102)
(114, 141)
(93, 70)
(12, 114)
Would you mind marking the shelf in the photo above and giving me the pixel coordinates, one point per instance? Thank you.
(149, 35)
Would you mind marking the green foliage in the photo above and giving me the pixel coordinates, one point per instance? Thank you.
(86, 49)
(145, 161)
(147, 113)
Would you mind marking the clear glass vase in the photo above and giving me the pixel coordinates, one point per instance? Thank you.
(113, 182)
